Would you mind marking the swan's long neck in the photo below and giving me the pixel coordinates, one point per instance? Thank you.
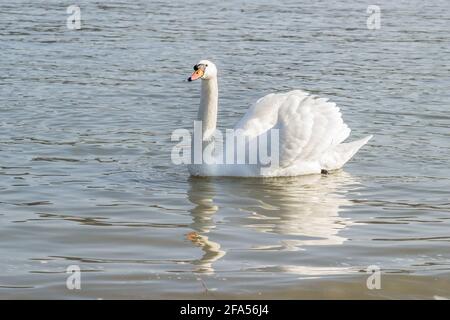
(207, 112)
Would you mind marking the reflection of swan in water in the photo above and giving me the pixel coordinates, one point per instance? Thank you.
(201, 195)
(305, 210)
(306, 206)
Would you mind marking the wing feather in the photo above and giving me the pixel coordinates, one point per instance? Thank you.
(310, 128)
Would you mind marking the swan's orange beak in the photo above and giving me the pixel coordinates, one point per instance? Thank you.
(197, 74)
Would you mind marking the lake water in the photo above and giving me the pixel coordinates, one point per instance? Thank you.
(86, 177)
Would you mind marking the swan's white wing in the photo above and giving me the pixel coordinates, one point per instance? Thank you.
(311, 130)
(262, 115)
(308, 126)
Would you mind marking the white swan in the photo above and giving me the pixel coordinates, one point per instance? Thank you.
(311, 131)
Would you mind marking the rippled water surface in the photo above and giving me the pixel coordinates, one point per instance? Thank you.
(85, 171)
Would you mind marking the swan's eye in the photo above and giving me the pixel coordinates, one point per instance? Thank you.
(206, 65)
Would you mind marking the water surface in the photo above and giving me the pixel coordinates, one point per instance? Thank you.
(85, 171)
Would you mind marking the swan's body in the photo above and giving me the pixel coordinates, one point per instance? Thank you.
(311, 131)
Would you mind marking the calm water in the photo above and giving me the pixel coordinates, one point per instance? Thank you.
(85, 171)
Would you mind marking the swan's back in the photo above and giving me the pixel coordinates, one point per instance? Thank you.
(311, 132)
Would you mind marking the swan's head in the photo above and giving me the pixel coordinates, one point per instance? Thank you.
(205, 70)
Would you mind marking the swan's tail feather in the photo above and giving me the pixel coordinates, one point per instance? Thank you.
(342, 153)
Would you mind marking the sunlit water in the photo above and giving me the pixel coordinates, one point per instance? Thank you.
(85, 171)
